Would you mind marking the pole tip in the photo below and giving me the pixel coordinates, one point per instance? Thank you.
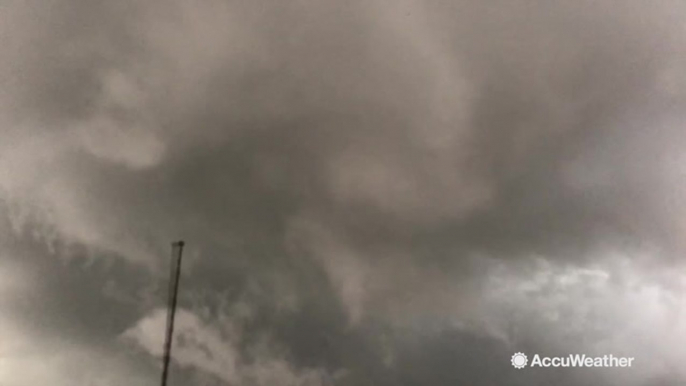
(179, 243)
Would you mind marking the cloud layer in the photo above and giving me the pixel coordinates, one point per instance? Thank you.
(371, 190)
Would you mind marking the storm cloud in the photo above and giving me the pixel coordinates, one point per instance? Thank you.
(371, 193)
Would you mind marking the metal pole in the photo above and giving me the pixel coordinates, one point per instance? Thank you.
(174, 277)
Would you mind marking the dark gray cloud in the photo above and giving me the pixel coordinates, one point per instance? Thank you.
(371, 194)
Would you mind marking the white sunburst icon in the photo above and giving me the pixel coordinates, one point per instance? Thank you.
(519, 360)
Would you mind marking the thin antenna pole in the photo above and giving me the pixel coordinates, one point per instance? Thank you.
(174, 277)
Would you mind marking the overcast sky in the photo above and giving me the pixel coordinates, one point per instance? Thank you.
(372, 192)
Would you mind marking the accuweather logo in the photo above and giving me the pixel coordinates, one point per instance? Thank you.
(520, 360)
